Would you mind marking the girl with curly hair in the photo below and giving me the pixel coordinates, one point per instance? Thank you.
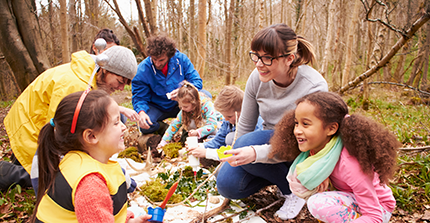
(354, 154)
(197, 115)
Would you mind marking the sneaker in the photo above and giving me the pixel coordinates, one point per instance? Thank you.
(291, 208)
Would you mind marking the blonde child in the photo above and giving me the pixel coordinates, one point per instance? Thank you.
(77, 181)
(353, 153)
(197, 114)
(229, 104)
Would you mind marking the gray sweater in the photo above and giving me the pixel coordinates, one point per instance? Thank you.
(271, 102)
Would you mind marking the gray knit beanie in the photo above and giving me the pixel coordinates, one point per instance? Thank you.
(121, 61)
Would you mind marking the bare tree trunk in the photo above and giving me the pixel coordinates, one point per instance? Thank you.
(416, 72)
(142, 19)
(180, 25)
(20, 40)
(261, 15)
(338, 48)
(8, 86)
(365, 105)
(398, 74)
(74, 24)
(282, 11)
(349, 43)
(65, 53)
(228, 20)
(192, 33)
(424, 81)
(150, 16)
(387, 68)
(329, 40)
(202, 38)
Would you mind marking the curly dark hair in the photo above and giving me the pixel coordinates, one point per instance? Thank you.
(369, 142)
(160, 45)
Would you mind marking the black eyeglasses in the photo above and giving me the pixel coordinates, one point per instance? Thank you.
(266, 60)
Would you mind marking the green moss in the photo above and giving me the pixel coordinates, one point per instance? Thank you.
(156, 191)
(132, 153)
(172, 149)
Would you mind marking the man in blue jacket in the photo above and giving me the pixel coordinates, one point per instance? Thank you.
(156, 82)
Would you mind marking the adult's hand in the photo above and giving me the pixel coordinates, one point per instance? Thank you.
(129, 113)
(144, 120)
(241, 156)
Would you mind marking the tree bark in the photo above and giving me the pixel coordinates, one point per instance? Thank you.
(150, 16)
(424, 81)
(8, 86)
(329, 40)
(228, 29)
(24, 55)
(74, 26)
(142, 19)
(415, 26)
(202, 38)
(398, 74)
(64, 24)
(349, 43)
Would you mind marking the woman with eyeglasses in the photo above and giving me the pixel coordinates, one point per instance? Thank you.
(281, 76)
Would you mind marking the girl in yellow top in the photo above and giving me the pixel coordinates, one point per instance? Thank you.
(83, 186)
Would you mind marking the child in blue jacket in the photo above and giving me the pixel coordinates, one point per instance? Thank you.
(229, 104)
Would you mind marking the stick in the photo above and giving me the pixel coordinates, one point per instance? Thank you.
(235, 131)
(415, 148)
(214, 211)
(260, 210)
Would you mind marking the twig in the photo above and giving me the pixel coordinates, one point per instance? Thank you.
(397, 84)
(206, 206)
(235, 131)
(415, 148)
(260, 210)
(214, 211)
(230, 216)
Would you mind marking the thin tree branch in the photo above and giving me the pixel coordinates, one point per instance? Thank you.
(397, 84)
(390, 26)
(420, 22)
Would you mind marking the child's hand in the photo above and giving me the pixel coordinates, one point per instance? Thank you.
(161, 144)
(140, 219)
(193, 133)
(196, 151)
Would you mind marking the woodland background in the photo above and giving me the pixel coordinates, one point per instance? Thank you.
(385, 43)
(390, 39)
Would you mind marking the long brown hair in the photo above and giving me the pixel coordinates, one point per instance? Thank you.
(369, 142)
(279, 39)
(189, 94)
(54, 142)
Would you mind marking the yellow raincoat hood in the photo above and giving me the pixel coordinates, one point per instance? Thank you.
(37, 104)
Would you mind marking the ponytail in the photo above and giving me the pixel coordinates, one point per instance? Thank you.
(372, 145)
(305, 53)
(48, 158)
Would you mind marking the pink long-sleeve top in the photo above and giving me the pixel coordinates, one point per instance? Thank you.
(347, 176)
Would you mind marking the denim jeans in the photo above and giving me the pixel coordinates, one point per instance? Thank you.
(243, 181)
(156, 115)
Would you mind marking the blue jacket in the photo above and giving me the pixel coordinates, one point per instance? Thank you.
(150, 85)
(226, 128)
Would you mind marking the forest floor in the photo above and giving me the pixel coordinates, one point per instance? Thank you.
(260, 200)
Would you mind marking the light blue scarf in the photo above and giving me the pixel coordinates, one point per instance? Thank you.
(313, 170)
